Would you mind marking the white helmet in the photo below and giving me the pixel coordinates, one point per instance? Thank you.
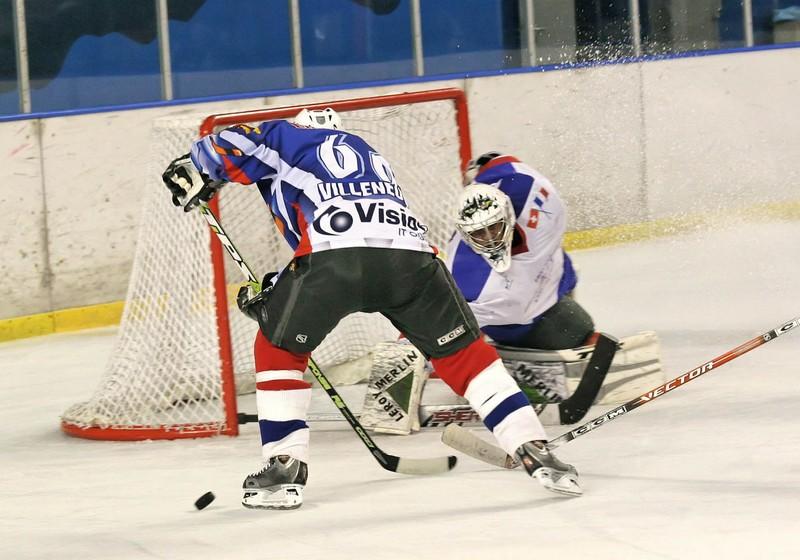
(319, 118)
(486, 222)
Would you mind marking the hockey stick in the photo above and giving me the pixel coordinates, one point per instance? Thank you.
(389, 462)
(574, 408)
(496, 456)
(570, 410)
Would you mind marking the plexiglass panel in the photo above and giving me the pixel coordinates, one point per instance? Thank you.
(468, 35)
(9, 98)
(556, 32)
(603, 30)
(776, 21)
(92, 53)
(674, 26)
(229, 47)
(355, 40)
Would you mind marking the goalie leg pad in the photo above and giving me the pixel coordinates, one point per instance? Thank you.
(397, 377)
(542, 382)
(636, 367)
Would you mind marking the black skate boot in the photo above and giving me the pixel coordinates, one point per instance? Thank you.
(279, 485)
(551, 473)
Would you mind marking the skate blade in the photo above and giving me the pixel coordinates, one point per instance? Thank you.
(285, 496)
(566, 485)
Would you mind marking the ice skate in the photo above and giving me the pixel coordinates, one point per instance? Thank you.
(551, 473)
(279, 485)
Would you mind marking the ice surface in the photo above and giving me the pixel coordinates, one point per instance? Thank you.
(709, 471)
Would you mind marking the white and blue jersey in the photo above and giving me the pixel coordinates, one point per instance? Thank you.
(326, 189)
(507, 304)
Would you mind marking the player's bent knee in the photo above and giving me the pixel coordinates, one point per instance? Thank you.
(565, 325)
(459, 368)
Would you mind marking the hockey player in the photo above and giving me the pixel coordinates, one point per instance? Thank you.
(357, 247)
(508, 261)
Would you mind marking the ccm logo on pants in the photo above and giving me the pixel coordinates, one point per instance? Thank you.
(455, 333)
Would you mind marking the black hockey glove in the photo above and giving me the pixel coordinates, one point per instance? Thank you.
(255, 307)
(188, 186)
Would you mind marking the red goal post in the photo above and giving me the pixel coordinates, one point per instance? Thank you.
(162, 382)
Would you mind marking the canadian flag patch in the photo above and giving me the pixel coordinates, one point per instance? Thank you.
(533, 220)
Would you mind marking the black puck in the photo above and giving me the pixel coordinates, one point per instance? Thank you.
(204, 500)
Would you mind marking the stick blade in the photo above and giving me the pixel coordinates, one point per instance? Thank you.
(468, 443)
(574, 408)
(434, 465)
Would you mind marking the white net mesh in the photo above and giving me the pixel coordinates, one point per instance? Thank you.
(165, 370)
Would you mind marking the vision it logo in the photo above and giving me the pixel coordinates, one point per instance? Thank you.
(333, 221)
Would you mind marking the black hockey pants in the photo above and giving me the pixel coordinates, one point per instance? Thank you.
(412, 289)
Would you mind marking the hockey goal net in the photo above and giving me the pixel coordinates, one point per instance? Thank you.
(184, 351)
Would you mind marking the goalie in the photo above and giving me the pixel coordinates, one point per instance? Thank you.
(509, 263)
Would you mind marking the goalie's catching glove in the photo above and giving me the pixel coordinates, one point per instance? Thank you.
(254, 306)
(189, 187)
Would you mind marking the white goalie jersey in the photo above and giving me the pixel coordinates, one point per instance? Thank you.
(541, 272)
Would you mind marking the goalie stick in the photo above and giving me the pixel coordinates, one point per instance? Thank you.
(470, 444)
(568, 411)
(574, 408)
(403, 465)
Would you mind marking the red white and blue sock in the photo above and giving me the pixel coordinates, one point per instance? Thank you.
(282, 400)
(504, 408)
(477, 373)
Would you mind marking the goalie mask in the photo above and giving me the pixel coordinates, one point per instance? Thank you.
(319, 118)
(486, 222)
